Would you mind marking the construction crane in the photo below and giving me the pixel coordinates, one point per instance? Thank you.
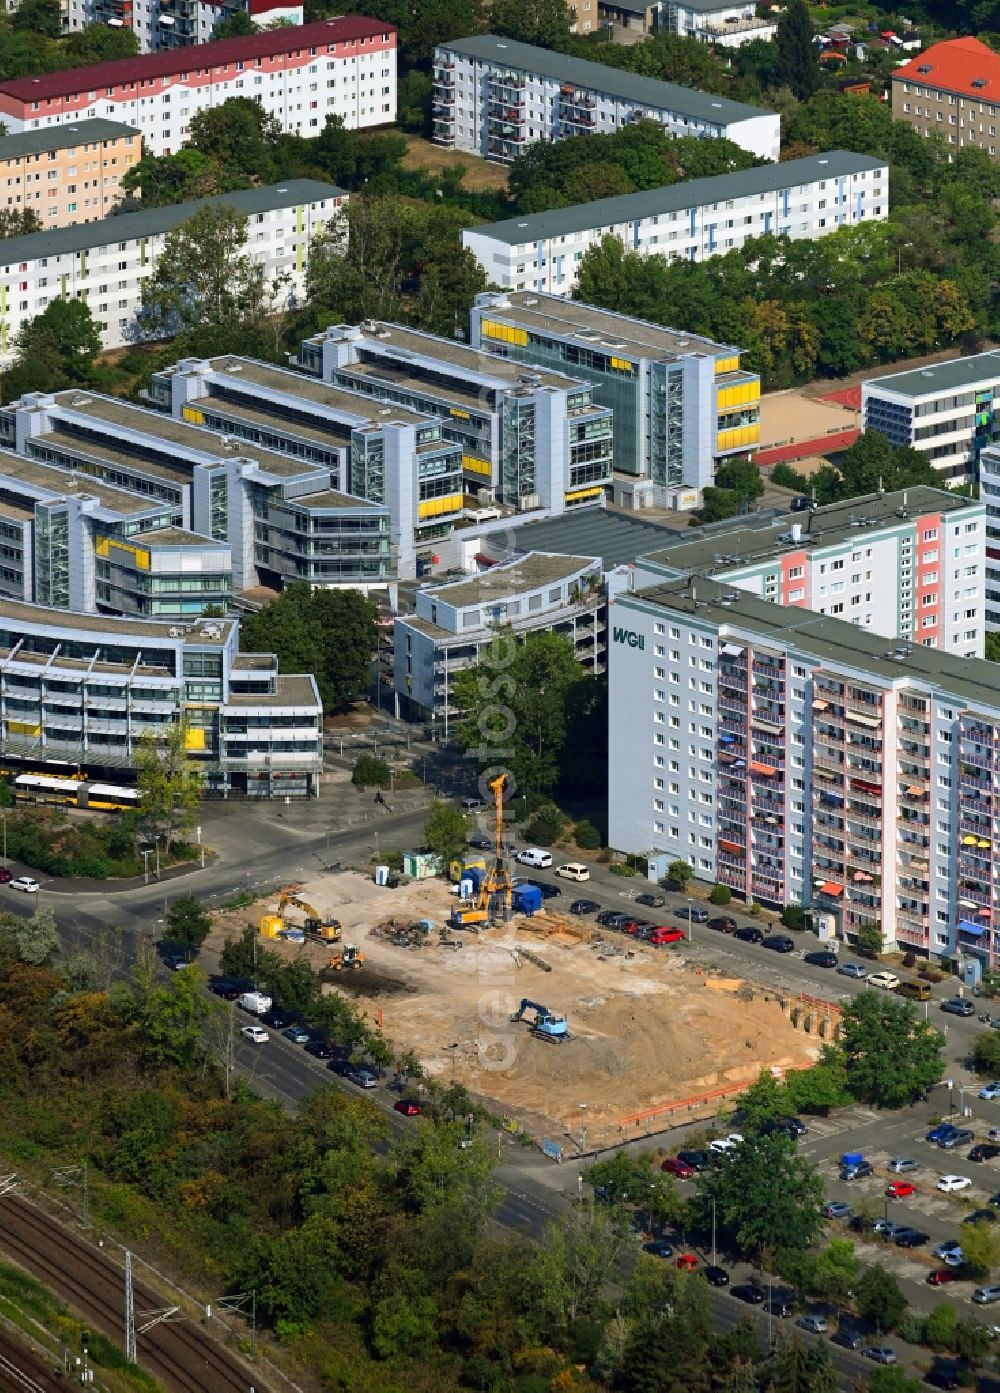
(546, 1025)
(327, 929)
(496, 882)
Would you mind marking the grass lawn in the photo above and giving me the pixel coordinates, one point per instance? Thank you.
(480, 175)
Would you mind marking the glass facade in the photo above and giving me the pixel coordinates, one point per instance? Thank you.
(52, 555)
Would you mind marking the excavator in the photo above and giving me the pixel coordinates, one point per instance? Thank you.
(327, 930)
(546, 1025)
(496, 882)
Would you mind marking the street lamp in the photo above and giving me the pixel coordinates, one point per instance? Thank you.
(689, 919)
(715, 1259)
(583, 1127)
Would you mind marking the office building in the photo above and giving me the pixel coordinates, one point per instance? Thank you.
(69, 174)
(799, 759)
(948, 411)
(495, 97)
(953, 89)
(80, 690)
(689, 221)
(531, 438)
(159, 24)
(721, 23)
(453, 624)
(336, 67)
(106, 263)
(682, 404)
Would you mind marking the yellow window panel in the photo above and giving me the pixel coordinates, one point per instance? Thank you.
(583, 493)
(194, 738)
(475, 465)
(192, 414)
(23, 728)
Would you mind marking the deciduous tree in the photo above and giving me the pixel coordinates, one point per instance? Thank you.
(879, 1297)
(169, 782)
(446, 831)
(188, 922)
(765, 1196)
(891, 1056)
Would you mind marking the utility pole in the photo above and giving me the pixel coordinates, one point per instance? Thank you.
(130, 1349)
(715, 1259)
(690, 926)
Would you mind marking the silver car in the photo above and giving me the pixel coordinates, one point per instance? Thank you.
(899, 1165)
(819, 1325)
(984, 1296)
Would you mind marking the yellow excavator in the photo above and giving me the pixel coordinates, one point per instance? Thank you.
(314, 925)
(496, 889)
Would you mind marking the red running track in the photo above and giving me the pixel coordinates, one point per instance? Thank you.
(800, 449)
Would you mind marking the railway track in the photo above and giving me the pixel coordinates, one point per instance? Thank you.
(23, 1371)
(179, 1354)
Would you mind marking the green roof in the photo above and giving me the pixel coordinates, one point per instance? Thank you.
(615, 82)
(152, 222)
(15, 147)
(940, 377)
(676, 198)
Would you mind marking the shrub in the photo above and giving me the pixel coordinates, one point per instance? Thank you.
(720, 894)
(909, 960)
(370, 772)
(587, 836)
(678, 875)
(754, 910)
(621, 868)
(793, 916)
(546, 826)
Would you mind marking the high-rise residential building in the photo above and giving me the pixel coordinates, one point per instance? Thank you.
(495, 97)
(682, 404)
(952, 89)
(107, 262)
(721, 23)
(161, 24)
(531, 437)
(690, 221)
(68, 174)
(301, 75)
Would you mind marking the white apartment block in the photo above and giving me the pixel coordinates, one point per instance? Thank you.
(338, 67)
(799, 759)
(495, 97)
(690, 221)
(107, 262)
(719, 22)
(161, 24)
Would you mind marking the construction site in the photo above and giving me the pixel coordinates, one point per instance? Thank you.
(549, 1019)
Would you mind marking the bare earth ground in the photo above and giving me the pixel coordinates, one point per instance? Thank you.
(480, 174)
(790, 416)
(646, 1029)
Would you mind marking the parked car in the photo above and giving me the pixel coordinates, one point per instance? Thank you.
(911, 1238)
(984, 1151)
(856, 970)
(958, 1006)
(480, 841)
(791, 1126)
(749, 1292)
(900, 1190)
(948, 1248)
(651, 900)
(534, 856)
(899, 1165)
(634, 927)
(863, 1223)
(6, 875)
(962, 1136)
(941, 1276)
(25, 883)
(750, 934)
(990, 1091)
(297, 1034)
(985, 1296)
(548, 892)
(320, 1049)
(176, 962)
(950, 1183)
(228, 990)
(888, 981)
(779, 1306)
(661, 936)
(696, 914)
(723, 923)
(363, 1076)
(816, 1325)
(409, 1107)
(837, 1209)
(573, 870)
(611, 918)
(658, 1248)
(879, 1354)
(779, 943)
(255, 1033)
(686, 1262)
(697, 1160)
(716, 1276)
(583, 906)
(673, 1165)
(723, 1144)
(943, 1129)
(857, 1170)
(943, 1376)
(847, 1338)
(821, 959)
(980, 1216)
(339, 1066)
(277, 1018)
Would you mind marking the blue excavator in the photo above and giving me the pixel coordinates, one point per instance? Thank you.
(546, 1025)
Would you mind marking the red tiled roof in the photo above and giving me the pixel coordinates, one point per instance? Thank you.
(955, 65)
(198, 56)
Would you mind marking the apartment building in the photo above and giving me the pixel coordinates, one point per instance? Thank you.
(881, 562)
(71, 174)
(722, 23)
(81, 690)
(800, 759)
(689, 221)
(453, 624)
(531, 438)
(682, 404)
(952, 88)
(159, 24)
(106, 263)
(495, 97)
(388, 455)
(336, 67)
(948, 411)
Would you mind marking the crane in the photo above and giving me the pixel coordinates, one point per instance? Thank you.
(496, 881)
(546, 1025)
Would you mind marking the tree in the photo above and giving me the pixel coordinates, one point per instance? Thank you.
(836, 1273)
(204, 278)
(879, 1297)
(40, 17)
(893, 1380)
(678, 875)
(741, 477)
(890, 1055)
(972, 1341)
(765, 1196)
(56, 348)
(169, 782)
(240, 135)
(36, 940)
(980, 1248)
(179, 178)
(188, 922)
(870, 941)
(574, 1256)
(100, 43)
(235, 26)
(17, 222)
(445, 831)
(939, 1327)
(545, 23)
(986, 1054)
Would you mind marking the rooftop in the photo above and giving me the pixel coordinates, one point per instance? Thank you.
(173, 62)
(333, 498)
(62, 137)
(178, 537)
(832, 642)
(616, 538)
(153, 222)
(551, 315)
(745, 541)
(644, 91)
(355, 408)
(68, 483)
(610, 213)
(940, 377)
(64, 624)
(293, 689)
(966, 66)
(510, 579)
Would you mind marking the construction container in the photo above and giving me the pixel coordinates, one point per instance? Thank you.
(421, 865)
(458, 868)
(526, 899)
(271, 925)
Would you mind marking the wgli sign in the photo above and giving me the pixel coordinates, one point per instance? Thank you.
(628, 636)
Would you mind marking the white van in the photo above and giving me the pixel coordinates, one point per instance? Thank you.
(574, 870)
(534, 856)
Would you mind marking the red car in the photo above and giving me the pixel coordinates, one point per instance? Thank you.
(665, 935)
(940, 1275)
(6, 875)
(900, 1190)
(408, 1107)
(673, 1165)
(632, 926)
(687, 1262)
